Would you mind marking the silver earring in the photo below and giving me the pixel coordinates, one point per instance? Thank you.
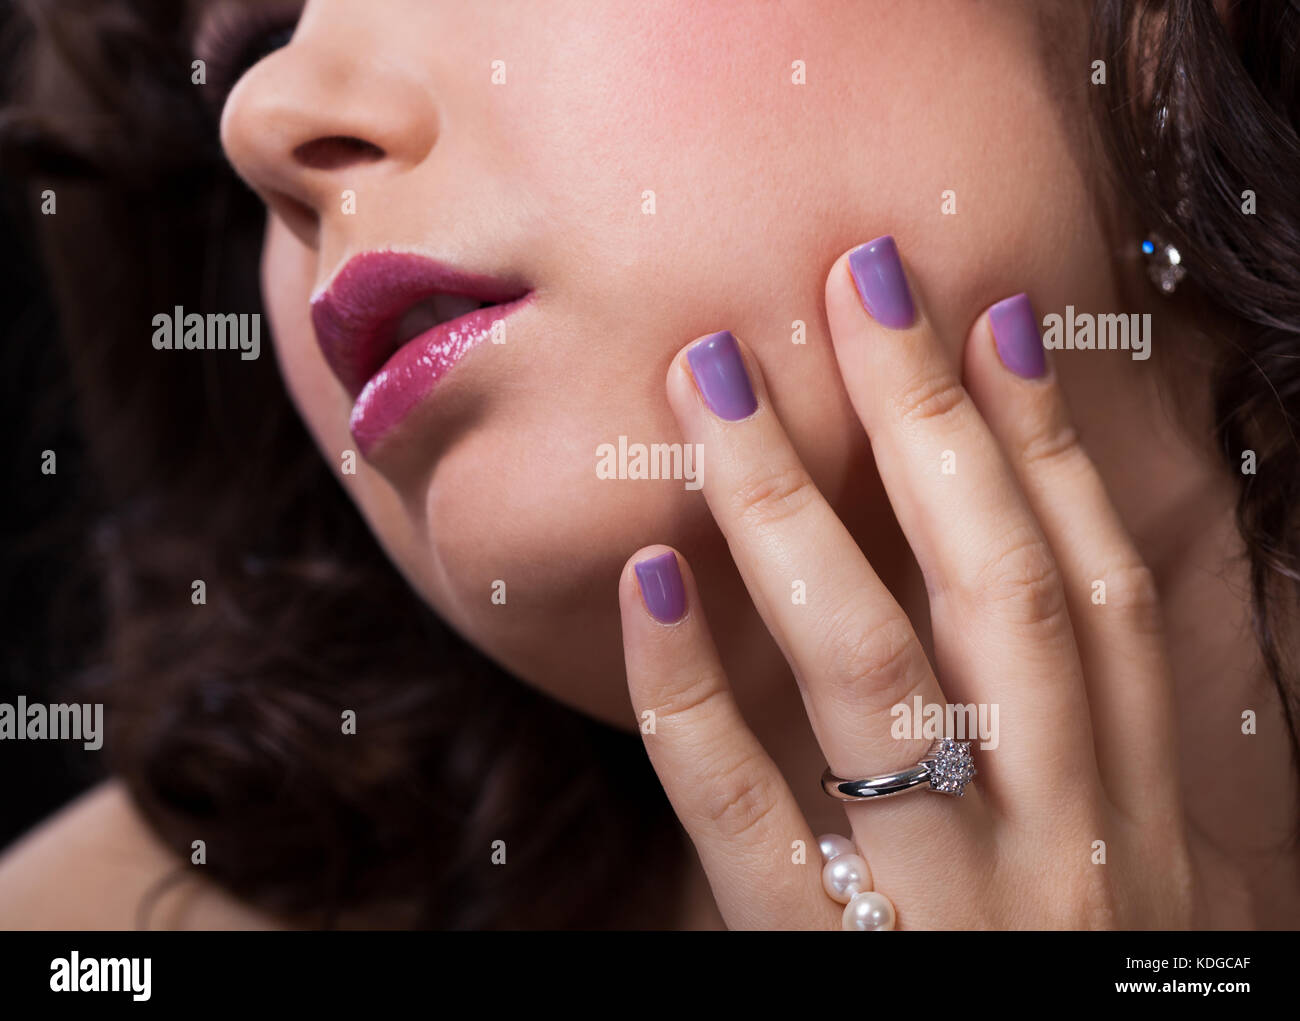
(1164, 263)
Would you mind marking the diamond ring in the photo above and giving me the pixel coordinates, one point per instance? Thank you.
(947, 768)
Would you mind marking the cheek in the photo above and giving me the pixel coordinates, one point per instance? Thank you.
(681, 159)
(666, 179)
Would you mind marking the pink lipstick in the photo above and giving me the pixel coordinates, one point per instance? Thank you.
(392, 324)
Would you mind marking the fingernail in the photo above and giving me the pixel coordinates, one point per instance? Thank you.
(1016, 336)
(882, 285)
(660, 581)
(720, 374)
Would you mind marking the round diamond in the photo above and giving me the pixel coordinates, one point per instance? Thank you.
(951, 767)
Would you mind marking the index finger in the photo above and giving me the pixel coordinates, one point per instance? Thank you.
(850, 645)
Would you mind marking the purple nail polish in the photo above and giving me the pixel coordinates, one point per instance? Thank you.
(720, 374)
(878, 272)
(661, 587)
(1015, 333)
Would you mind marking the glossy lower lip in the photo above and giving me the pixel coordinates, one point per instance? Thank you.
(409, 376)
(355, 319)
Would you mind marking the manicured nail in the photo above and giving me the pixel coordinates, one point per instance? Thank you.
(1015, 333)
(882, 285)
(720, 374)
(660, 580)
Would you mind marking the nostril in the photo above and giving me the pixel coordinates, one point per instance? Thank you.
(336, 151)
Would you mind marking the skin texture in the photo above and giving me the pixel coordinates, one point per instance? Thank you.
(751, 211)
(760, 185)
(1008, 544)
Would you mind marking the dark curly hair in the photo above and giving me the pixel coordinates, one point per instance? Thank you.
(1204, 107)
(225, 717)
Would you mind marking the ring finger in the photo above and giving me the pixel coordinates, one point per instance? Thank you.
(850, 646)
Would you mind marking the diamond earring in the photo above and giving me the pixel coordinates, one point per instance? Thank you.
(1164, 263)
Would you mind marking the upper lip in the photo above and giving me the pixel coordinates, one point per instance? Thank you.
(357, 317)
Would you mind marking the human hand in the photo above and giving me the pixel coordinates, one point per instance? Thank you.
(1010, 546)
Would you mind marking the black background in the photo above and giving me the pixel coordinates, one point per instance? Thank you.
(49, 608)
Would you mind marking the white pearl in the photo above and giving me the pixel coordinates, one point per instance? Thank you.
(869, 911)
(833, 845)
(845, 875)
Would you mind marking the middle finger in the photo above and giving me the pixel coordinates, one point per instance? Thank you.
(849, 644)
(1002, 633)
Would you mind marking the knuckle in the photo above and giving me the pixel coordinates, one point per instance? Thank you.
(1131, 589)
(1097, 900)
(1058, 444)
(1168, 900)
(1023, 585)
(929, 398)
(737, 798)
(689, 699)
(873, 667)
(770, 497)
(1086, 894)
(1181, 882)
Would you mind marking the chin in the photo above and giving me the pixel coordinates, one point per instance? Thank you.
(521, 553)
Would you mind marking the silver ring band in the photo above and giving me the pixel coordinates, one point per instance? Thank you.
(946, 768)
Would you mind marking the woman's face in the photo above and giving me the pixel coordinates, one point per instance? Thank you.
(648, 172)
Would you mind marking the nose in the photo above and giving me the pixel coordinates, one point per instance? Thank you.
(321, 117)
